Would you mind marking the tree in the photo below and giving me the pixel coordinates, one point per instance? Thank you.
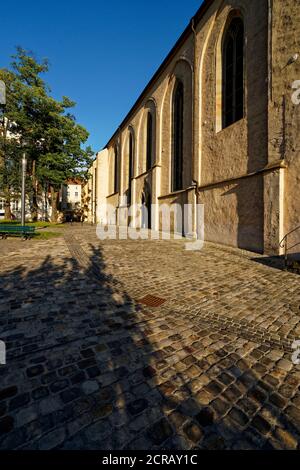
(64, 157)
(44, 128)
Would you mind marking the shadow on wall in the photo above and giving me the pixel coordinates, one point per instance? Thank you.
(249, 197)
(250, 191)
(85, 371)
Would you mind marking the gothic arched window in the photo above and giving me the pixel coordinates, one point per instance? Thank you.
(178, 137)
(233, 72)
(130, 166)
(149, 150)
(116, 170)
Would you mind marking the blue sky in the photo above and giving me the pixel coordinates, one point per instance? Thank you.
(102, 52)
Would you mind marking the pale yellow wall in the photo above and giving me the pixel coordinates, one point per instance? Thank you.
(245, 211)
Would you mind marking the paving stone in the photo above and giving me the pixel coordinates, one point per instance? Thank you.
(8, 392)
(86, 363)
(65, 371)
(3, 408)
(232, 393)
(18, 401)
(137, 406)
(87, 353)
(286, 391)
(93, 372)
(35, 370)
(26, 415)
(53, 364)
(249, 407)
(49, 405)
(58, 386)
(204, 398)
(213, 442)
(160, 432)
(102, 411)
(6, 425)
(258, 395)
(149, 372)
(49, 377)
(277, 400)
(177, 419)
(76, 425)
(78, 378)
(214, 387)
(238, 416)
(205, 417)
(285, 365)
(287, 440)
(90, 386)
(271, 380)
(189, 407)
(294, 413)
(70, 394)
(261, 424)
(220, 406)
(193, 432)
(52, 439)
(225, 378)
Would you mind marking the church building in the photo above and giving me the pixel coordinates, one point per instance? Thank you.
(219, 125)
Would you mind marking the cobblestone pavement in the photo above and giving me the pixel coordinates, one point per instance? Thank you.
(91, 367)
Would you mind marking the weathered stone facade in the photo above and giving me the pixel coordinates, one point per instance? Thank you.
(246, 174)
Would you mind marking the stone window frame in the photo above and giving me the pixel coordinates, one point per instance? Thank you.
(116, 169)
(177, 170)
(131, 162)
(149, 141)
(144, 164)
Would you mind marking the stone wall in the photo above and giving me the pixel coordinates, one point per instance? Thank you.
(284, 111)
(247, 173)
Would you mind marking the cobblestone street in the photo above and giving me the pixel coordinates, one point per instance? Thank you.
(90, 366)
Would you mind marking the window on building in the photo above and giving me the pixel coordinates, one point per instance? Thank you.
(149, 157)
(178, 136)
(233, 72)
(14, 205)
(130, 167)
(76, 194)
(116, 170)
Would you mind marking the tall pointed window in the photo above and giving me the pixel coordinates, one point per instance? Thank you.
(233, 72)
(116, 170)
(130, 167)
(149, 150)
(178, 137)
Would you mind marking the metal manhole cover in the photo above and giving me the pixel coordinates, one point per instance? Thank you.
(152, 301)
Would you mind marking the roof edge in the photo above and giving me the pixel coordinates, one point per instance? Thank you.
(188, 30)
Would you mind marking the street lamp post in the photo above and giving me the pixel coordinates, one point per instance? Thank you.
(23, 197)
(3, 100)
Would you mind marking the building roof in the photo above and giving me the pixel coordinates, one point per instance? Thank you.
(188, 30)
(74, 181)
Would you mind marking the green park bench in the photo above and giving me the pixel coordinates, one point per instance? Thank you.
(25, 231)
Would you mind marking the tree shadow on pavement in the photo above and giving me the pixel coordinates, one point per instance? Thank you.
(90, 368)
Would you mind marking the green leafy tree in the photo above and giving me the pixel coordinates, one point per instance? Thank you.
(64, 156)
(44, 128)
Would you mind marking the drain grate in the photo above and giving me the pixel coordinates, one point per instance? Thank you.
(152, 301)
